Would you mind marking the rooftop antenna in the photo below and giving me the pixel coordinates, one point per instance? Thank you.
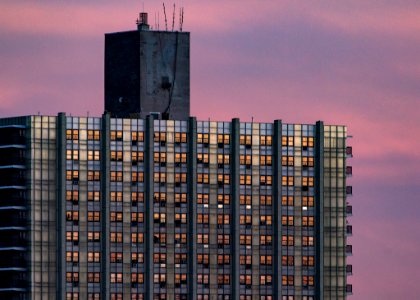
(166, 21)
(173, 18)
(182, 19)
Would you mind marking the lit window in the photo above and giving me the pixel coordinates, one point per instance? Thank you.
(266, 160)
(116, 156)
(72, 277)
(223, 139)
(93, 216)
(266, 239)
(308, 201)
(245, 140)
(223, 159)
(93, 236)
(202, 238)
(287, 220)
(160, 136)
(245, 160)
(181, 258)
(204, 259)
(116, 135)
(94, 176)
(202, 138)
(245, 179)
(287, 240)
(93, 196)
(159, 157)
(266, 140)
(245, 199)
(265, 220)
(137, 238)
(223, 178)
(307, 241)
(116, 196)
(308, 261)
(72, 134)
(202, 178)
(307, 181)
(72, 236)
(287, 180)
(266, 279)
(93, 277)
(137, 217)
(287, 161)
(288, 280)
(307, 280)
(94, 256)
(93, 135)
(287, 260)
(202, 198)
(287, 141)
(308, 221)
(266, 180)
(181, 238)
(307, 141)
(116, 217)
(72, 154)
(181, 157)
(245, 260)
(116, 237)
(72, 175)
(137, 136)
(245, 239)
(307, 161)
(287, 201)
(180, 177)
(137, 156)
(137, 177)
(245, 219)
(265, 199)
(180, 137)
(180, 198)
(223, 219)
(137, 257)
(159, 197)
(202, 218)
(72, 196)
(137, 197)
(159, 177)
(93, 155)
(202, 158)
(223, 199)
(223, 259)
(116, 277)
(116, 257)
(266, 260)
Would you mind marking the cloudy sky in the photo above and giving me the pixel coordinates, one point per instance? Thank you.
(355, 63)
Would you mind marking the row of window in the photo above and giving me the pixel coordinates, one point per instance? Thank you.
(162, 296)
(181, 137)
(202, 198)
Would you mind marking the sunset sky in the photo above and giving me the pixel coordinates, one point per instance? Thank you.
(355, 63)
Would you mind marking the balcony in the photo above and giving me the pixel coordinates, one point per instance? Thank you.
(349, 250)
(349, 171)
(349, 230)
(349, 289)
(349, 151)
(349, 269)
(349, 210)
(349, 190)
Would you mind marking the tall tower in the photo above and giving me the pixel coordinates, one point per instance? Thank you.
(147, 71)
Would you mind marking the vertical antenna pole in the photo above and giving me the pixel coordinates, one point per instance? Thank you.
(173, 18)
(166, 21)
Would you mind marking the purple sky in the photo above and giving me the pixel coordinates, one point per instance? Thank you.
(347, 62)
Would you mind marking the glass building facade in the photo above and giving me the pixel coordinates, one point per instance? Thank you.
(111, 208)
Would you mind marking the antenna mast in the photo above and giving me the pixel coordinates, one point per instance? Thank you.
(173, 18)
(166, 21)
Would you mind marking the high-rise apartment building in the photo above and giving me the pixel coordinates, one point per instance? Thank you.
(153, 204)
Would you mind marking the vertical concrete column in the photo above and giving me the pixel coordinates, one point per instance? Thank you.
(105, 194)
(192, 207)
(61, 204)
(277, 194)
(148, 180)
(319, 210)
(235, 208)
